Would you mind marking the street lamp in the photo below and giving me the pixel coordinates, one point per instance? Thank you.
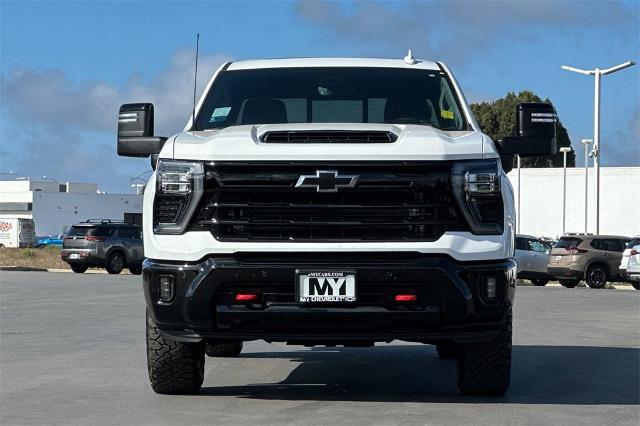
(586, 143)
(597, 73)
(564, 150)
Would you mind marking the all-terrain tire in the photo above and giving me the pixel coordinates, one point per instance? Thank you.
(79, 269)
(596, 276)
(539, 282)
(447, 350)
(227, 349)
(135, 269)
(485, 368)
(115, 263)
(569, 283)
(174, 367)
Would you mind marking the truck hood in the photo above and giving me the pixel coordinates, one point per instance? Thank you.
(414, 142)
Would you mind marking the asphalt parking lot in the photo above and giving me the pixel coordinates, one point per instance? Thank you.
(72, 352)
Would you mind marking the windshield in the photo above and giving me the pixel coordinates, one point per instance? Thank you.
(332, 95)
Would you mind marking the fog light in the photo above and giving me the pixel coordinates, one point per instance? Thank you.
(167, 288)
(490, 288)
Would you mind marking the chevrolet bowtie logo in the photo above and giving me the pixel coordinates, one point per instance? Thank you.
(327, 181)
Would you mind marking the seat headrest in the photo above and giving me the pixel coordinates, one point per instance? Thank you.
(264, 111)
(406, 107)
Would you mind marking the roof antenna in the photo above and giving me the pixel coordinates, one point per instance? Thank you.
(195, 85)
(409, 59)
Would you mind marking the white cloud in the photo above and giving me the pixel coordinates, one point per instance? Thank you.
(67, 130)
(49, 97)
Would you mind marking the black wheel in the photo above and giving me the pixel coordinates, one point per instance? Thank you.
(447, 350)
(115, 263)
(79, 269)
(569, 283)
(174, 367)
(135, 269)
(636, 284)
(596, 276)
(226, 349)
(539, 282)
(485, 368)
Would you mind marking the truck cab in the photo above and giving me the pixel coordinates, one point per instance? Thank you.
(330, 201)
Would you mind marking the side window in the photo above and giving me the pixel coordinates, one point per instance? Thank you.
(127, 233)
(537, 246)
(607, 245)
(597, 244)
(521, 244)
(104, 231)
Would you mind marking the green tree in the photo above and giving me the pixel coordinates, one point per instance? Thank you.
(497, 119)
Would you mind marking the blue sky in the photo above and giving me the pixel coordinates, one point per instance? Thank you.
(65, 67)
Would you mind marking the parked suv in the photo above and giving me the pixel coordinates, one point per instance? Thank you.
(594, 258)
(632, 246)
(331, 201)
(532, 257)
(105, 244)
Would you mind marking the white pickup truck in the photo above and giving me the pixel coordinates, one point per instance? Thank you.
(330, 201)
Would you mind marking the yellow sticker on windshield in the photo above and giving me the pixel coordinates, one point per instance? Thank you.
(447, 114)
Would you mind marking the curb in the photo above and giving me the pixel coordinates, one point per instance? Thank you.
(22, 269)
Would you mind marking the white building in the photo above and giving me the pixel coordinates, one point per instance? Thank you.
(54, 207)
(541, 200)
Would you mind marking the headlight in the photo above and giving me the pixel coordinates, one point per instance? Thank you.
(179, 186)
(476, 186)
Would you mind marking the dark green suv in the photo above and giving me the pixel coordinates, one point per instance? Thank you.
(105, 244)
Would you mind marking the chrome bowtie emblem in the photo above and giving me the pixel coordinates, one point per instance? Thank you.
(327, 181)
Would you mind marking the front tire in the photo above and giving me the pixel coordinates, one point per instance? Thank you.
(79, 269)
(539, 282)
(115, 263)
(447, 350)
(227, 349)
(596, 276)
(485, 368)
(135, 269)
(569, 283)
(174, 367)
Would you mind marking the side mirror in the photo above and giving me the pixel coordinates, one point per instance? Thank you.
(135, 131)
(535, 132)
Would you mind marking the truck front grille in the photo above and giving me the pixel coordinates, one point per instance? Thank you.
(405, 201)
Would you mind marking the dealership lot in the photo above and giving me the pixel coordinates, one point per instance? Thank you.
(72, 352)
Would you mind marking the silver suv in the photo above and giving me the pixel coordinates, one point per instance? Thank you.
(105, 244)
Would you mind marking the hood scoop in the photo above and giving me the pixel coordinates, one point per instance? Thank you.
(328, 136)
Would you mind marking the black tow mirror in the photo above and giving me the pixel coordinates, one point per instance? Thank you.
(535, 132)
(135, 131)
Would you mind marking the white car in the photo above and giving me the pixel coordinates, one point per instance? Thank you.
(331, 201)
(633, 268)
(631, 246)
(532, 257)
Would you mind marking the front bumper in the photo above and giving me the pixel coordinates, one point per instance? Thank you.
(450, 301)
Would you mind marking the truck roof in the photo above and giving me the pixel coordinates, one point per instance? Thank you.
(332, 62)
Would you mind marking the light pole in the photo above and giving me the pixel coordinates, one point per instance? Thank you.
(564, 150)
(519, 186)
(586, 143)
(597, 73)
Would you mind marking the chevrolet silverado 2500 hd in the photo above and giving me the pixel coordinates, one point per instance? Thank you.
(330, 202)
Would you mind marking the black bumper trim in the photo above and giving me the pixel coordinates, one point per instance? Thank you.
(457, 310)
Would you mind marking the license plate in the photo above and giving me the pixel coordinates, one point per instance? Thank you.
(74, 256)
(326, 286)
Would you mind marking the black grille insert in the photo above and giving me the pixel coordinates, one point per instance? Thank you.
(333, 136)
(392, 202)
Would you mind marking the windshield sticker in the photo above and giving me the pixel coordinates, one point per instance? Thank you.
(219, 114)
(446, 114)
